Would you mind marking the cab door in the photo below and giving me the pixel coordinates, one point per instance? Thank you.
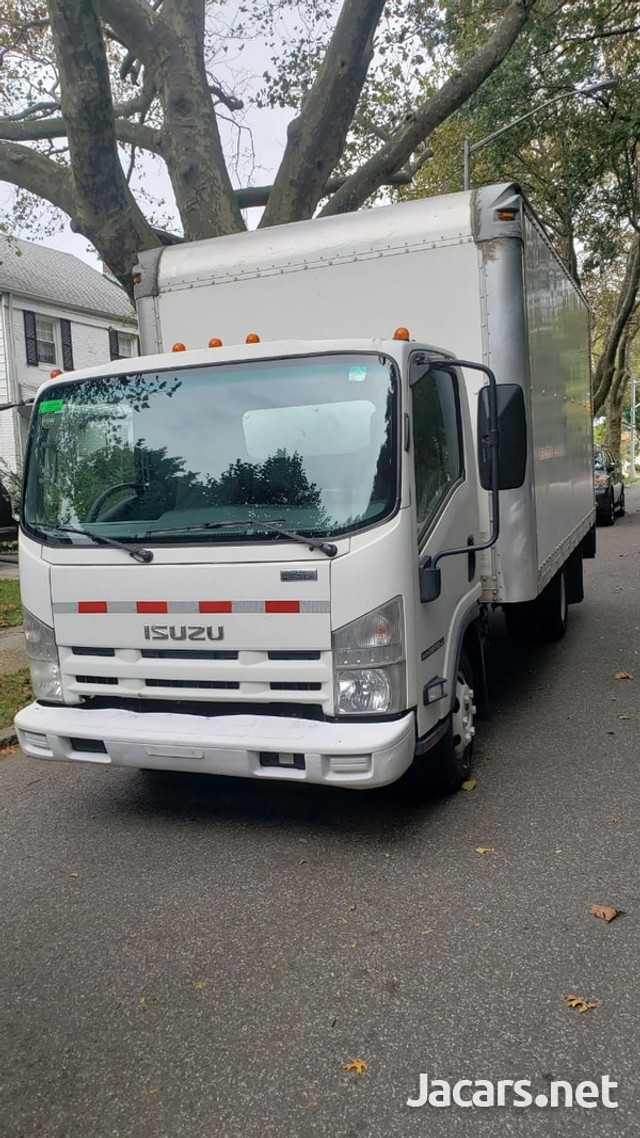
(446, 516)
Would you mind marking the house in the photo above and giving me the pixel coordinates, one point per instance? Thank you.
(55, 312)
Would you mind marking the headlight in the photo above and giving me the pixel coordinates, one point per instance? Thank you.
(601, 479)
(42, 651)
(369, 667)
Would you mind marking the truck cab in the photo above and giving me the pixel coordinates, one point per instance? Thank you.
(221, 555)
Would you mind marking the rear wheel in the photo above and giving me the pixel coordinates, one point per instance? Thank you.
(544, 619)
(608, 515)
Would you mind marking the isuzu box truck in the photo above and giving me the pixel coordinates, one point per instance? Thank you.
(268, 547)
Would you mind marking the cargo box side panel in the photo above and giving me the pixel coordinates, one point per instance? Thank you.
(561, 414)
(433, 291)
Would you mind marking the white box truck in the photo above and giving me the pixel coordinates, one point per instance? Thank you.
(276, 558)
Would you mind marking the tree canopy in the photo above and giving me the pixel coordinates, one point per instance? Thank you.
(99, 98)
(88, 86)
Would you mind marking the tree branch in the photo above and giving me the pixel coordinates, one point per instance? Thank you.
(134, 24)
(36, 130)
(105, 210)
(604, 372)
(428, 115)
(30, 171)
(315, 139)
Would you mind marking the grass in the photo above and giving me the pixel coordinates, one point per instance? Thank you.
(10, 608)
(15, 692)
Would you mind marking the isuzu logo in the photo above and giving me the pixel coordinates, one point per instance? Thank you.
(183, 632)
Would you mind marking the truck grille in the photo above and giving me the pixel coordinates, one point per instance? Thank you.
(245, 677)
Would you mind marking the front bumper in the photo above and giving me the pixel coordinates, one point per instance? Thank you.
(358, 755)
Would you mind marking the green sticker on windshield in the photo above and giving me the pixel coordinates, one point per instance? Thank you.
(50, 405)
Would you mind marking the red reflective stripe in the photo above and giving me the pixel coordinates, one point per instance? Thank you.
(152, 606)
(215, 606)
(282, 606)
(92, 606)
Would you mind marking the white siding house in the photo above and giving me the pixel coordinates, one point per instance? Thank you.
(55, 312)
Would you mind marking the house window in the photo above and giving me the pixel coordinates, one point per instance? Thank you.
(122, 346)
(45, 341)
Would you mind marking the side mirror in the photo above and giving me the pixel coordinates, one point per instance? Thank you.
(512, 421)
(430, 583)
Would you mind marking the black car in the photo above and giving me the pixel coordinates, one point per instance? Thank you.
(609, 486)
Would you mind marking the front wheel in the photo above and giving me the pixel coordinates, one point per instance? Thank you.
(621, 505)
(452, 759)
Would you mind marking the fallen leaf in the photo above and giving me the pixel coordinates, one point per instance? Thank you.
(199, 985)
(153, 1090)
(470, 784)
(625, 715)
(303, 841)
(579, 1003)
(606, 912)
(74, 875)
(623, 676)
(614, 820)
(302, 861)
(484, 849)
(358, 1066)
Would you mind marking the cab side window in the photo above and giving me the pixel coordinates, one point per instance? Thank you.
(437, 450)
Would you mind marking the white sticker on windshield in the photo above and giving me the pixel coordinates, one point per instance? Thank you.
(357, 373)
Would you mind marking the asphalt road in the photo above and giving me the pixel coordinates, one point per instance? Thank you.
(200, 958)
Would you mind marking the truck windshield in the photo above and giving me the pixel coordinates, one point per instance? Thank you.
(310, 442)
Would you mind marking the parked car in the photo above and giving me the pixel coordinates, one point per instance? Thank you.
(8, 524)
(609, 486)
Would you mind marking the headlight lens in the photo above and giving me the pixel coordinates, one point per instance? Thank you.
(369, 667)
(42, 651)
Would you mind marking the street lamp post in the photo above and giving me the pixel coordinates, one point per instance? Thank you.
(632, 424)
(470, 148)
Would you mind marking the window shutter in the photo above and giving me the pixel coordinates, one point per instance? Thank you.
(30, 337)
(114, 350)
(67, 349)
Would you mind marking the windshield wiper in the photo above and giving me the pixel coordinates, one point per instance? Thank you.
(271, 524)
(135, 551)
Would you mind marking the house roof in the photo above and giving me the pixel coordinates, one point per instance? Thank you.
(59, 278)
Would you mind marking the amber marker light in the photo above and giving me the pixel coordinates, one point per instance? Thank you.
(252, 338)
(401, 334)
(55, 373)
(507, 214)
(178, 347)
(214, 342)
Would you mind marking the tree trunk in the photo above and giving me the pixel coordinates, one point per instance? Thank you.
(605, 371)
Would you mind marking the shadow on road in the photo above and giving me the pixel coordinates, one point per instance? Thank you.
(517, 674)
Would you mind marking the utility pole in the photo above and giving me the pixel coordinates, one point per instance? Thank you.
(632, 424)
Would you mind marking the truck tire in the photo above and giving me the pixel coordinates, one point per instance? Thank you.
(451, 761)
(544, 619)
